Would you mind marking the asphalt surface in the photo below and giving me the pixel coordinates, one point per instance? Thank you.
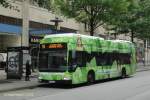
(133, 88)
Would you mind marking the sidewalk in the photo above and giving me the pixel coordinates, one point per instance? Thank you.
(141, 67)
(12, 84)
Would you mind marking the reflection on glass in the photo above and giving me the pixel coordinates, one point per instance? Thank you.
(53, 61)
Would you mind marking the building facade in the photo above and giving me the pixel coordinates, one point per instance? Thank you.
(11, 21)
(39, 23)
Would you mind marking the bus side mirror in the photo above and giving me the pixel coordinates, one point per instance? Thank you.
(73, 67)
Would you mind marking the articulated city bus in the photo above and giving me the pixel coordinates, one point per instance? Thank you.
(74, 59)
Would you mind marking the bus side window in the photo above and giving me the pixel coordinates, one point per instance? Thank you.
(99, 59)
(109, 59)
(120, 58)
(80, 57)
(79, 60)
(124, 58)
(88, 57)
(70, 59)
(114, 57)
(127, 58)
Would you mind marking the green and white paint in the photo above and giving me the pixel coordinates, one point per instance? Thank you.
(77, 42)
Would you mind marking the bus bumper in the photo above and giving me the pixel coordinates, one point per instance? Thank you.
(56, 81)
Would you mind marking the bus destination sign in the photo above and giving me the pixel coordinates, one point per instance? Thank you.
(53, 46)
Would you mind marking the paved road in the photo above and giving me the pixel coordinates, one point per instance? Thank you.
(134, 88)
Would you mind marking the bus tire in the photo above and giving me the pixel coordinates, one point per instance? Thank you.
(123, 73)
(91, 77)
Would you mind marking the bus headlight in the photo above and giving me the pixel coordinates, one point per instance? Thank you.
(39, 77)
(67, 78)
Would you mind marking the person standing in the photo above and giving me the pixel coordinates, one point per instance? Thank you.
(28, 71)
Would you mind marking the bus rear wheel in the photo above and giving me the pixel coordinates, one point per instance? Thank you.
(91, 78)
(123, 73)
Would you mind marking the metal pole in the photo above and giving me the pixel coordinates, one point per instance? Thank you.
(146, 53)
(25, 25)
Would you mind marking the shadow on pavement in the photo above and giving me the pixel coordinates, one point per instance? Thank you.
(63, 86)
(5, 81)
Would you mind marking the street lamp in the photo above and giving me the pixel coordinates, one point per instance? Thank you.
(56, 21)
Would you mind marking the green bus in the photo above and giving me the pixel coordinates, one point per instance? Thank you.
(75, 58)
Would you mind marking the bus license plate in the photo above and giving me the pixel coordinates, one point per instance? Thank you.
(51, 82)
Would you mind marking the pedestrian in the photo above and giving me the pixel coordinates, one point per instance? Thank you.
(28, 71)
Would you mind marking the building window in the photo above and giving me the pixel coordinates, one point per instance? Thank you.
(10, 20)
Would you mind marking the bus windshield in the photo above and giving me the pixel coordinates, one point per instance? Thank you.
(53, 61)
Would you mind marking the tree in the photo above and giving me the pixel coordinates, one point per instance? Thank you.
(126, 22)
(4, 3)
(92, 12)
(143, 30)
(44, 3)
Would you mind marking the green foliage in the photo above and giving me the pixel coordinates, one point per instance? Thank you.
(92, 12)
(44, 3)
(4, 3)
(143, 24)
(127, 22)
(136, 21)
(124, 16)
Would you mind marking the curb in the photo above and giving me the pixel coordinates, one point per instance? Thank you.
(143, 70)
(18, 88)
